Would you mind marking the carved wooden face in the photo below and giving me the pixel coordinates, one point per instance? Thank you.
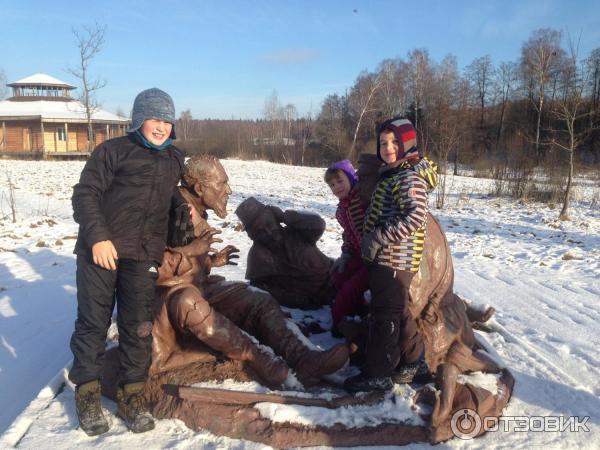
(213, 190)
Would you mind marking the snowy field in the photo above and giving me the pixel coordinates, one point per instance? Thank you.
(541, 275)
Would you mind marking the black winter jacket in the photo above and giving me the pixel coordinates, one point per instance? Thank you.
(124, 195)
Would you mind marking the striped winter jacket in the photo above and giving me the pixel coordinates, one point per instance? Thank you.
(351, 215)
(397, 214)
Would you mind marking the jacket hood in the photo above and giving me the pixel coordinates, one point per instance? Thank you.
(427, 170)
(424, 167)
(346, 167)
(405, 133)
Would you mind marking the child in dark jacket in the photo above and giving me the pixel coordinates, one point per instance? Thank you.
(348, 272)
(392, 245)
(122, 203)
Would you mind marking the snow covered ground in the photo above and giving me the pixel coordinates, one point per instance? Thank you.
(541, 275)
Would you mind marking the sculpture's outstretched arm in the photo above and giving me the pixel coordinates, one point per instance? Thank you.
(310, 226)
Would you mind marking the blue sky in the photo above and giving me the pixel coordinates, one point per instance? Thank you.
(221, 59)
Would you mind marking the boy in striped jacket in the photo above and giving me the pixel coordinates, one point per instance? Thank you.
(392, 245)
(348, 273)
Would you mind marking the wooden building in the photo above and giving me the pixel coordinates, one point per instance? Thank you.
(41, 119)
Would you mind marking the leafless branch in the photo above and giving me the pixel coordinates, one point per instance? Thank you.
(89, 41)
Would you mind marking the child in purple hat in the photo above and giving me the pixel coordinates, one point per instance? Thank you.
(348, 273)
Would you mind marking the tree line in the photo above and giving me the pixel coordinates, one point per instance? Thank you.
(510, 120)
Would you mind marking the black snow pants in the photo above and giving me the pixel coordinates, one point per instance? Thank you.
(393, 335)
(132, 287)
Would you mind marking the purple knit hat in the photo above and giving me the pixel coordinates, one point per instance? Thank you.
(345, 166)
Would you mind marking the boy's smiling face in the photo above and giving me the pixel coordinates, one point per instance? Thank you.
(388, 146)
(339, 185)
(156, 131)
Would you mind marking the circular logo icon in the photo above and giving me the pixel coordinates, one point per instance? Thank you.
(465, 424)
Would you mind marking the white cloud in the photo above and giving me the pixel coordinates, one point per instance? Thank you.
(289, 56)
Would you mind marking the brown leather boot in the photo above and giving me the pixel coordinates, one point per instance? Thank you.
(477, 315)
(219, 333)
(272, 328)
(313, 364)
(272, 369)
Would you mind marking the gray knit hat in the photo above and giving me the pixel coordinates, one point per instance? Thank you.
(152, 104)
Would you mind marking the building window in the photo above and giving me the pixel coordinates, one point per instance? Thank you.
(60, 134)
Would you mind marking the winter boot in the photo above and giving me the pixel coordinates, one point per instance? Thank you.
(89, 409)
(219, 333)
(364, 383)
(417, 372)
(132, 409)
(272, 328)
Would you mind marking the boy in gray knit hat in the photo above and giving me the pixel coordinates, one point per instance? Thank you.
(153, 107)
(122, 205)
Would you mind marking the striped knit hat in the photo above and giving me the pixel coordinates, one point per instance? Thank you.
(405, 133)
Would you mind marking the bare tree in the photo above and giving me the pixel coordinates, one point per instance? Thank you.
(461, 107)
(479, 73)
(570, 112)
(89, 41)
(306, 134)
(184, 125)
(419, 79)
(331, 123)
(360, 102)
(392, 97)
(12, 203)
(538, 61)
(290, 113)
(272, 113)
(505, 80)
(447, 96)
(593, 63)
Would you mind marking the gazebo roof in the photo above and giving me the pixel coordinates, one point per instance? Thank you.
(70, 111)
(40, 79)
